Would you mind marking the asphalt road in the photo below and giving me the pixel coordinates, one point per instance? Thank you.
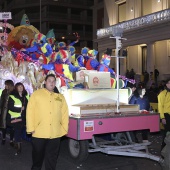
(95, 161)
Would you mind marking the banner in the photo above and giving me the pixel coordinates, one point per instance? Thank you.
(5, 15)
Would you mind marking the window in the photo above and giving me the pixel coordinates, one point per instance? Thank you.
(100, 18)
(100, 1)
(146, 7)
(76, 11)
(88, 28)
(122, 12)
(144, 58)
(77, 27)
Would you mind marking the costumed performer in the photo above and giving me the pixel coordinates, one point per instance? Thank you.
(63, 68)
(92, 63)
(50, 38)
(21, 36)
(40, 48)
(104, 66)
(81, 60)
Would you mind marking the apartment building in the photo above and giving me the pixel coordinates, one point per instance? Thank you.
(64, 16)
(145, 24)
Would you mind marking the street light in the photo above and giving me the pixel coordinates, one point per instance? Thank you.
(117, 33)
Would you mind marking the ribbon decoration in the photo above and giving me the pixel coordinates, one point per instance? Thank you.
(63, 76)
(127, 79)
(20, 56)
(124, 78)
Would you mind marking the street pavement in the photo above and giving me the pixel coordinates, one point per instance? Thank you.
(95, 161)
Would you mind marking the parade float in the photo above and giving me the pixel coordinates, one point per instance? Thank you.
(97, 99)
(101, 111)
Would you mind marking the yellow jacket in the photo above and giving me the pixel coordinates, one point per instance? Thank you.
(164, 103)
(47, 115)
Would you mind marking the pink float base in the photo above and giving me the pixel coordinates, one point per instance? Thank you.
(85, 128)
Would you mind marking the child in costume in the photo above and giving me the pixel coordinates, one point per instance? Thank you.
(105, 62)
(40, 48)
(92, 63)
(50, 38)
(81, 60)
(104, 66)
(62, 67)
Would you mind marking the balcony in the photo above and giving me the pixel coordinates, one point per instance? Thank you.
(137, 23)
(54, 17)
(32, 3)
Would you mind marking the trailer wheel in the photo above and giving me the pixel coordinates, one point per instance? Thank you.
(123, 138)
(78, 149)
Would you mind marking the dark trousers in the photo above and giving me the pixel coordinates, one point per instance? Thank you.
(167, 128)
(47, 149)
(11, 133)
(18, 135)
(18, 131)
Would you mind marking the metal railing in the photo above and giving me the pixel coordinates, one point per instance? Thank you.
(150, 19)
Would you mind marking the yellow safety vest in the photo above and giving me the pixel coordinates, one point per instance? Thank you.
(17, 103)
(1, 92)
(27, 96)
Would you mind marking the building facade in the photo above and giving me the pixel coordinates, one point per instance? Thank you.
(64, 16)
(145, 24)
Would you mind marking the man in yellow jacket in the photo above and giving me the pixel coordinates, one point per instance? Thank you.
(164, 108)
(47, 120)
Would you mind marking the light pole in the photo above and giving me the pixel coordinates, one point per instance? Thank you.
(40, 15)
(117, 34)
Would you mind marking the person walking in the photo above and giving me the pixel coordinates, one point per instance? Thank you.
(47, 121)
(17, 105)
(9, 86)
(164, 109)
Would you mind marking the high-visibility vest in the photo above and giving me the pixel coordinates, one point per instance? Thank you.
(17, 103)
(27, 96)
(1, 92)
